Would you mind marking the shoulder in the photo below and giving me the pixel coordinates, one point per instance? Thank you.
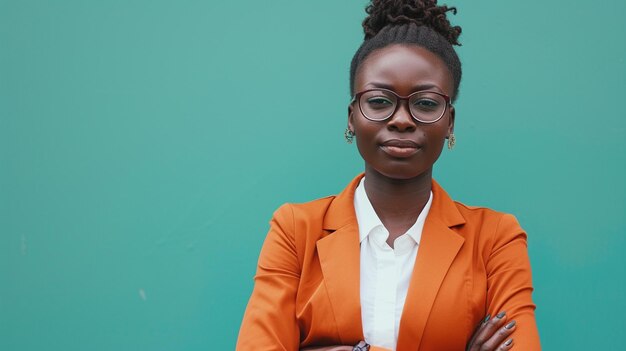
(304, 211)
(484, 215)
(465, 218)
(314, 219)
(489, 228)
(303, 224)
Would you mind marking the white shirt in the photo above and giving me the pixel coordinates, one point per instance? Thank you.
(385, 272)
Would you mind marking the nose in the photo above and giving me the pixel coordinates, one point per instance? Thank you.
(401, 120)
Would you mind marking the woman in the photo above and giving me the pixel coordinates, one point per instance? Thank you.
(392, 263)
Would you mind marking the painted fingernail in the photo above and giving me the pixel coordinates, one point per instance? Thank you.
(508, 342)
(510, 325)
(487, 318)
(500, 315)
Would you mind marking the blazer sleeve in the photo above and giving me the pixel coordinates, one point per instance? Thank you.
(509, 283)
(269, 322)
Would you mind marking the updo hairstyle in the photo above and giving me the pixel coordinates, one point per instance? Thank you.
(417, 22)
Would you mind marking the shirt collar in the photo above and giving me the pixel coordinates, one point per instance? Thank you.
(367, 218)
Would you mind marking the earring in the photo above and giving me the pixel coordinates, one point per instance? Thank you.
(349, 135)
(451, 141)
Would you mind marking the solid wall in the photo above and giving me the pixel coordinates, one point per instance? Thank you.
(145, 144)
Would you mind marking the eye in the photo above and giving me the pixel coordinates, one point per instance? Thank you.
(379, 102)
(426, 104)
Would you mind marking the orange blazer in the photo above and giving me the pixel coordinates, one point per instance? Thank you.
(471, 261)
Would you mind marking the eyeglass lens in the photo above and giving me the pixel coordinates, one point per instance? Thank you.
(380, 104)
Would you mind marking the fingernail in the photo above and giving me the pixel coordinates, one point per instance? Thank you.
(510, 325)
(508, 342)
(487, 318)
(501, 314)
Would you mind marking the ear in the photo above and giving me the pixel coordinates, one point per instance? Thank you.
(350, 117)
(451, 121)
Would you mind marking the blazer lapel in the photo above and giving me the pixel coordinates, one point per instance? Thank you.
(339, 255)
(339, 258)
(438, 247)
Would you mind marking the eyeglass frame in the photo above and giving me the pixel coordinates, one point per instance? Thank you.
(358, 95)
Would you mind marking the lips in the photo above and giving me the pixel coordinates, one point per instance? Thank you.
(400, 148)
(401, 143)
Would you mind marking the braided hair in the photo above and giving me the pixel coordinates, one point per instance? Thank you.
(417, 22)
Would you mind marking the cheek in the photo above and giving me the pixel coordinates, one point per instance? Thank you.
(363, 128)
(439, 130)
(436, 143)
(438, 135)
(366, 136)
(364, 139)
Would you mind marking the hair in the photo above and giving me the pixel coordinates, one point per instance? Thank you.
(415, 22)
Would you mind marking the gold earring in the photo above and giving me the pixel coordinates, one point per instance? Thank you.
(451, 141)
(349, 135)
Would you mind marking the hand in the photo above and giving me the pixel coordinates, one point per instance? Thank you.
(492, 334)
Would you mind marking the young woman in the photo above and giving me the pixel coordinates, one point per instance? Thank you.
(392, 263)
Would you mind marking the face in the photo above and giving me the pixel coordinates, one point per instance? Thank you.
(401, 147)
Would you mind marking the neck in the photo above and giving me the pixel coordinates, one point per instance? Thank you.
(397, 202)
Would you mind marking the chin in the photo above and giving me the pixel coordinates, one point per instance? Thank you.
(402, 172)
(416, 166)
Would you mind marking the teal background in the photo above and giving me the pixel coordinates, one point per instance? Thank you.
(145, 144)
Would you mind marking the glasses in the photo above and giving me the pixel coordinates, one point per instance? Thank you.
(380, 104)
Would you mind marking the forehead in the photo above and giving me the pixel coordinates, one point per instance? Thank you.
(404, 69)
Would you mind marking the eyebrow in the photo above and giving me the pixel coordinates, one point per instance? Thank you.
(414, 88)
